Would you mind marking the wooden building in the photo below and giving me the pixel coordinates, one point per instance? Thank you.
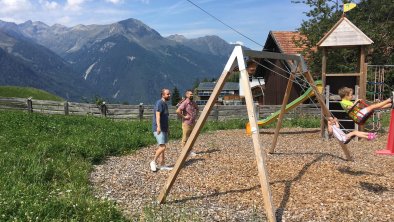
(229, 92)
(344, 34)
(275, 78)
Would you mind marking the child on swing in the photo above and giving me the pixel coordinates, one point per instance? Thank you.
(334, 129)
(346, 95)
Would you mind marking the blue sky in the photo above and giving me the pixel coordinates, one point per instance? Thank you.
(253, 18)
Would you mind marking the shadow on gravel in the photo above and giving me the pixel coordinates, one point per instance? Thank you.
(192, 161)
(373, 187)
(348, 170)
(309, 153)
(208, 151)
(215, 193)
(292, 132)
(288, 184)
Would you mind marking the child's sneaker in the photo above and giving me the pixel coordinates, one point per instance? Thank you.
(165, 168)
(372, 136)
(153, 166)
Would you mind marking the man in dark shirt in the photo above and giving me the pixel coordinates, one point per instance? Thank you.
(160, 130)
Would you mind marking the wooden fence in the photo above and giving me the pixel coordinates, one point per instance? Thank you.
(119, 111)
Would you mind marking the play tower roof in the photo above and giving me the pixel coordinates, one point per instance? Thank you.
(344, 33)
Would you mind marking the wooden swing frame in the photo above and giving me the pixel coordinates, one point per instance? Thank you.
(237, 57)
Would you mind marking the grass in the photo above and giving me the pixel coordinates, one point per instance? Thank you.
(26, 92)
(46, 161)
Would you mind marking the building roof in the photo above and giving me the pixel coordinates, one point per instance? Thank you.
(344, 33)
(211, 85)
(285, 40)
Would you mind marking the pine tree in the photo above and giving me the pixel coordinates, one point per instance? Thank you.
(175, 96)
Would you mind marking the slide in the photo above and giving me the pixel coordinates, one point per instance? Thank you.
(308, 93)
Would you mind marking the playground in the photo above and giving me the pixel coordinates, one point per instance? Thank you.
(306, 178)
(309, 177)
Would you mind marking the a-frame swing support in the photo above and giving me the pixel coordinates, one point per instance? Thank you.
(237, 56)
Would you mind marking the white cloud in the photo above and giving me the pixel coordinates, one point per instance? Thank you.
(14, 6)
(237, 43)
(114, 1)
(74, 5)
(65, 20)
(51, 5)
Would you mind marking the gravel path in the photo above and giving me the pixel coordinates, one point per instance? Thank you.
(309, 178)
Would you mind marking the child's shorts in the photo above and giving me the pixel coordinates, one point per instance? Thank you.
(362, 113)
(161, 138)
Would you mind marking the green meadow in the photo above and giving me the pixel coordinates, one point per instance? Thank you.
(26, 92)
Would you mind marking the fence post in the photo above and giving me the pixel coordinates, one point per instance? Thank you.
(103, 109)
(66, 108)
(141, 111)
(29, 105)
(216, 112)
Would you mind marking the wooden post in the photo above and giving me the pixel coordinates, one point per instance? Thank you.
(282, 111)
(324, 80)
(141, 111)
(260, 156)
(216, 112)
(66, 111)
(103, 109)
(29, 105)
(323, 121)
(362, 79)
(325, 110)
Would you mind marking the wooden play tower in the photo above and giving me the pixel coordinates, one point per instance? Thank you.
(344, 34)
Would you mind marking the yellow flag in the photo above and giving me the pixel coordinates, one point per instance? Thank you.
(348, 7)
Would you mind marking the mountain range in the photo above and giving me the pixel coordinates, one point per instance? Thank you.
(126, 61)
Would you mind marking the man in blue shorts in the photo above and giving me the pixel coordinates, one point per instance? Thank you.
(160, 130)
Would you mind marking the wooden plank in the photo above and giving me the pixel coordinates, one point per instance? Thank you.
(22, 100)
(5, 107)
(282, 111)
(47, 102)
(49, 112)
(271, 55)
(342, 74)
(48, 107)
(258, 150)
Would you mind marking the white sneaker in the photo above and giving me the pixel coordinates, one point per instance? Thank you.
(165, 168)
(153, 166)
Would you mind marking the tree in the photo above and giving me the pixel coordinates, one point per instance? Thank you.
(374, 18)
(175, 96)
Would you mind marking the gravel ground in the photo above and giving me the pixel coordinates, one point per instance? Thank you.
(309, 177)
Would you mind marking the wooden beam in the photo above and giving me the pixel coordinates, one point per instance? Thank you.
(325, 110)
(324, 72)
(271, 55)
(260, 155)
(342, 74)
(282, 111)
(363, 75)
(200, 123)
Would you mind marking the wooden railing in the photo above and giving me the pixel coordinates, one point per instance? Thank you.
(120, 111)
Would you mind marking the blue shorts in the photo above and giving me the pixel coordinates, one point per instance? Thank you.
(162, 138)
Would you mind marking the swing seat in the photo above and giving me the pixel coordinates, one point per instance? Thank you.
(356, 115)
